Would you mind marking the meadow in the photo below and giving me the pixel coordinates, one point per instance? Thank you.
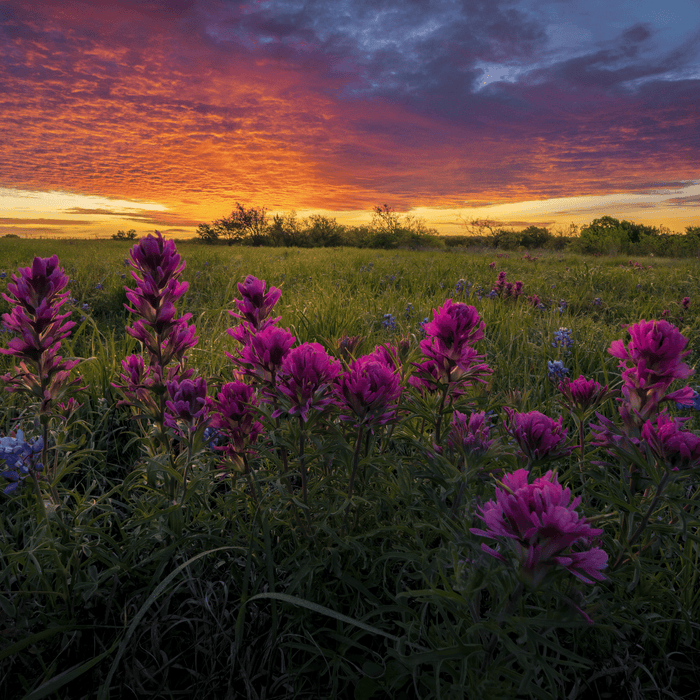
(296, 508)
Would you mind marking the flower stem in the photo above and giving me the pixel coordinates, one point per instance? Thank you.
(355, 462)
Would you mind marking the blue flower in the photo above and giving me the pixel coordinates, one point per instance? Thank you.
(563, 339)
(20, 457)
(409, 310)
(99, 287)
(389, 322)
(556, 369)
(597, 301)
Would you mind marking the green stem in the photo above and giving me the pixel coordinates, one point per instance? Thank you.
(645, 519)
(302, 463)
(355, 462)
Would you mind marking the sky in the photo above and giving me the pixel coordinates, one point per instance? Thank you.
(146, 114)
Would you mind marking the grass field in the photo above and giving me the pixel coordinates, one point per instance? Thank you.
(332, 556)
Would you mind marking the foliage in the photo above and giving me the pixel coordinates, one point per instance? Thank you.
(333, 555)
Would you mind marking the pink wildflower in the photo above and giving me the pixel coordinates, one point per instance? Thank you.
(537, 435)
(655, 352)
(370, 389)
(540, 525)
(256, 304)
(678, 449)
(265, 352)
(306, 379)
(581, 395)
(471, 435)
(187, 403)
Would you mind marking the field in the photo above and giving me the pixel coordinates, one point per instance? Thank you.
(321, 544)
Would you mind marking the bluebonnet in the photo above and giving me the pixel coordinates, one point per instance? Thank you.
(492, 294)
(556, 369)
(479, 292)
(696, 402)
(99, 287)
(409, 310)
(597, 301)
(20, 457)
(422, 323)
(3, 274)
(563, 339)
(562, 307)
(389, 322)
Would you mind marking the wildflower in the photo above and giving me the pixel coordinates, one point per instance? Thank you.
(388, 354)
(685, 303)
(389, 322)
(581, 395)
(492, 265)
(187, 402)
(655, 352)
(500, 283)
(409, 310)
(538, 436)
(534, 300)
(676, 448)
(563, 338)
(562, 306)
(233, 415)
(36, 300)
(370, 389)
(265, 352)
(306, 379)
(469, 435)
(99, 287)
(597, 301)
(556, 369)
(347, 344)
(539, 524)
(21, 459)
(256, 304)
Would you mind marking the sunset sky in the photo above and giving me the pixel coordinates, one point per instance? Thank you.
(145, 114)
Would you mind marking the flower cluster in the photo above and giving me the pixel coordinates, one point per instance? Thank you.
(232, 414)
(538, 436)
(556, 369)
(538, 522)
(582, 395)
(186, 404)
(469, 435)
(21, 459)
(254, 308)
(676, 448)
(36, 299)
(165, 336)
(306, 380)
(563, 339)
(655, 353)
(448, 347)
(370, 390)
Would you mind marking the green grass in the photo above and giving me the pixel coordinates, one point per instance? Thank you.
(128, 594)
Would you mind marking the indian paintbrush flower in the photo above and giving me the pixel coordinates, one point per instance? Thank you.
(538, 436)
(676, 448)
(539, 524)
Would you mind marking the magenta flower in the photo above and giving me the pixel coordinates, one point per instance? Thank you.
(256, 304)
(470, 436)
(187, 402)
(36, 300)
(233, 414)
(581, 395)
(306, 380)
(539, 524)
(676, 448)
(370, 390)
(537, 435)
(655, 353)
(265, 352)
(455, 326)
(158, 262)
(388, 354)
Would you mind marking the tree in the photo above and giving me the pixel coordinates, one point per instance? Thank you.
(243, 226)
(130, 235)
(207, 233)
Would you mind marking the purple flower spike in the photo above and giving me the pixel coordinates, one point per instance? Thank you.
(471, 436)
(157, 260)
(35, 316)
(233, 416)
(655, 352)
(676, 448)
(454, 326)
(370, 389)
(256, 305)
(306, 379)
(581, 395)
(539, 524)
(187, 402)
(537, 435)
(265, 352)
